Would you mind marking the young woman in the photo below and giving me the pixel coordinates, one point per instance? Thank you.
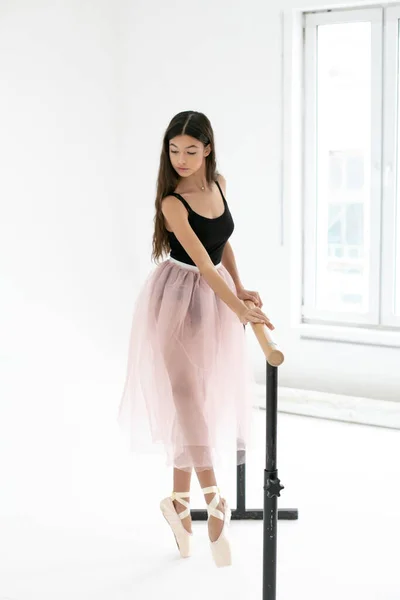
(188, 383)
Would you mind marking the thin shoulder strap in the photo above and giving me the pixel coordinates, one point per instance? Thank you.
(219, 187)
(182, 200)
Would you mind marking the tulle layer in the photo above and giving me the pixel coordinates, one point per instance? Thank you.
(189, 384)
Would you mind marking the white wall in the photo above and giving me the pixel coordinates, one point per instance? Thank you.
(87, 90)
(59, 190)
(62, 253)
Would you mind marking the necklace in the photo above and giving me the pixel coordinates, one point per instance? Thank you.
(203, 187)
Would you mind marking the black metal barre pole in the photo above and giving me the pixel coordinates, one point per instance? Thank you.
(272, 488)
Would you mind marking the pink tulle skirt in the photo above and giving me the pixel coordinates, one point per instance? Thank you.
(189, 384)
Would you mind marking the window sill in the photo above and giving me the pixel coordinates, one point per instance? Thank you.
(349, 335)
(337, 407)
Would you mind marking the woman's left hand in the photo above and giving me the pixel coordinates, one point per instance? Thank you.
(243, 294)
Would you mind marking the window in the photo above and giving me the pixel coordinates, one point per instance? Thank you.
(351, 167)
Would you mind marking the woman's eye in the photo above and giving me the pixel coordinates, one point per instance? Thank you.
(176, 152)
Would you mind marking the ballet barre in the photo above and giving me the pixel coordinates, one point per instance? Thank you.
(272, 485)
(273, 355)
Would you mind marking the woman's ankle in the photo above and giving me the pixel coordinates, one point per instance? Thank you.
(209, 497)
(187, 521)
(179, 507)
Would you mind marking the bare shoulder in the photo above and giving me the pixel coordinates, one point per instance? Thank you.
(172, 209)
(169, 203)
(222, 181)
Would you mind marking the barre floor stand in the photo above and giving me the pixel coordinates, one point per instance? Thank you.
(272, 485)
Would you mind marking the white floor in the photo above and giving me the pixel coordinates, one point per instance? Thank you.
(80, 521)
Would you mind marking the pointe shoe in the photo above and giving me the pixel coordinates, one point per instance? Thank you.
(182, 537)
(221, 548)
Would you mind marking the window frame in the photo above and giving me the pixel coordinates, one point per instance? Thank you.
(390, 151)
(311, 22)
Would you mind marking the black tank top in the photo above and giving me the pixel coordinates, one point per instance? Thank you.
(213, 233)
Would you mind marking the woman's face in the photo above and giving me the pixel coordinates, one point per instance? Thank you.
(187, 154)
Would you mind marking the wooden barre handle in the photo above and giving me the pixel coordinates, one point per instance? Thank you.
(271, 351)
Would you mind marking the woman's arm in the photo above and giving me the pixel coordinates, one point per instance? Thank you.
(177, 217)
(229, 262)
(228, 258)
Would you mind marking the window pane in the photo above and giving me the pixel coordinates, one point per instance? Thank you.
(355, 225)
(343, 166)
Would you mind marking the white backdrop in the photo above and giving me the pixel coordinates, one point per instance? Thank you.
(87, 90)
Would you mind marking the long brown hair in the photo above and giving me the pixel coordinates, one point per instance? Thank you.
(196, 125)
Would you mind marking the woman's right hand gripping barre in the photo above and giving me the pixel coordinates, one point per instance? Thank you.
(254, 315)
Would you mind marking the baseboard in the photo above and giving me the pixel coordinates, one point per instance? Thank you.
(351, 409)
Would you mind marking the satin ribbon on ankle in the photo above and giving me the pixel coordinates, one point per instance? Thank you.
(178, 496)
(212, 507)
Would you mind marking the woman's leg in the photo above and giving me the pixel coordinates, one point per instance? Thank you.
(182, 484)
(207, 478)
